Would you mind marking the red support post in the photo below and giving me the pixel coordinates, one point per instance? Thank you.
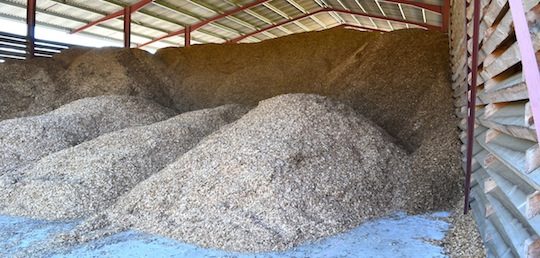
(127, 27)
(187, 36)
(472, 102)
(445, 15)
(30, 27)
(133, 8)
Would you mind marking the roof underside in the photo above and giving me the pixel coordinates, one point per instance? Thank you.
(163, 17)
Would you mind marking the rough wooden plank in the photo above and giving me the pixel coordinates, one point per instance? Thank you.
(509, 118)
(510, 227)
(492, 239)
(529, 119)
(512, 126)
(516, 197)
(496, 35)
(493, 10)
(492, 216)
(532, 157)
(511, 152)
(503, 61)
(533, 205)
(505, 109)
(514, 93)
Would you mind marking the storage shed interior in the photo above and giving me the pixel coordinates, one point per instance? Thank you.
(257, 126)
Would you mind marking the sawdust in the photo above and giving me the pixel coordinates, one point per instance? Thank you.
(398, 80)
(296, 168)
(19, 84)
(401, 82)
(463, 238)
(24, 140)
(85, 179)
(212, 74)
(40, 85)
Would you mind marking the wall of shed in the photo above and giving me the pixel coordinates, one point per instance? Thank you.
(505, 198)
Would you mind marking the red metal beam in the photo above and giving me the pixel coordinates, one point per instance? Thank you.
(472, 102)
(133, 8)
(427, 26)
(431, 7)
(30, 27)
(207, 21)
(227, 13)
(127, 27)
(421, 24)
(274, 26)
(348, 25)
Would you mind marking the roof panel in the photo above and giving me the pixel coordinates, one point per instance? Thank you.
(163, 16)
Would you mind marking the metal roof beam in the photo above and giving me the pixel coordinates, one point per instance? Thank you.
(346, 8)
(303, 10)
(207, 21)
(151, 14)
(69, 17)
(364, 10)
(194, 16)
(424, 25)
(403, 14)
(274, 26)
(384, 14)
(284, 15)
(348, 25)
(421, 24)
(229, 13)
(336, 17)
(430, 7)
(253, 14)
(162, 18)
(133, 8)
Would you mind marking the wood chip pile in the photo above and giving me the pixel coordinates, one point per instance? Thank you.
(85, 179)
(347, 126)
(27, 139)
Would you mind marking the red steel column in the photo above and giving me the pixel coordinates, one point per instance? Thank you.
(30, 27)
(472, 102)
(187, 36)
(127, 27)
(445, 15)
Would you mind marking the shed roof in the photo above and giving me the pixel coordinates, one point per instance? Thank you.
(160, 23)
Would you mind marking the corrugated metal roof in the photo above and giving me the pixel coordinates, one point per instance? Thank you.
(162, 17)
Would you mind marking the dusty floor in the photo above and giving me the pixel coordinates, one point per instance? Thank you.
(398, 235)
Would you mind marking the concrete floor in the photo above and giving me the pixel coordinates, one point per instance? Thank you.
(398, 235)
